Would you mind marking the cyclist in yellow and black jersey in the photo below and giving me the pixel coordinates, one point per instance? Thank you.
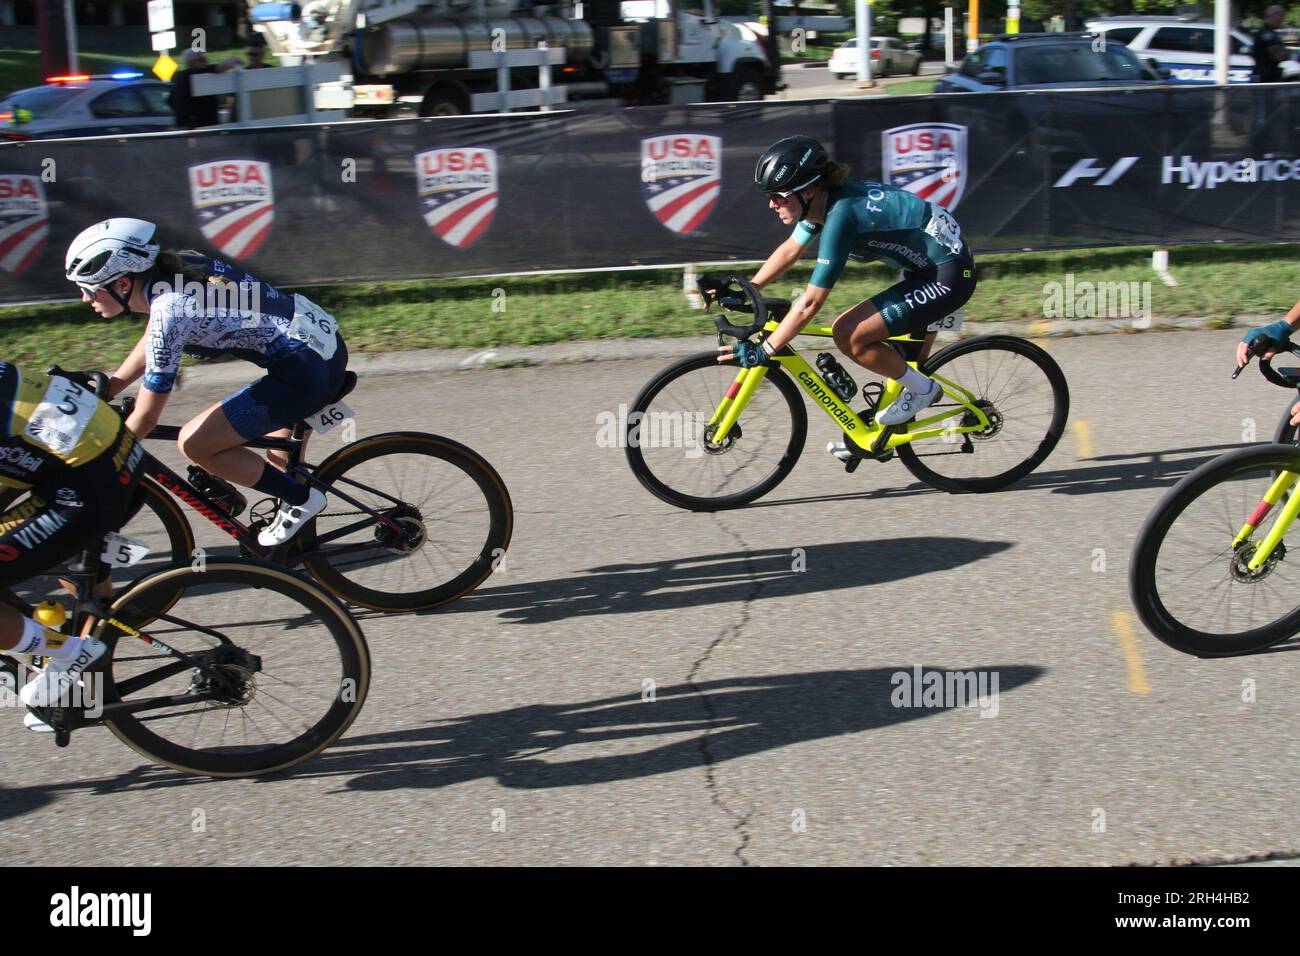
(74, 455)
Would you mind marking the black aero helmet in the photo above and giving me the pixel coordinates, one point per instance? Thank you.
(790, 164)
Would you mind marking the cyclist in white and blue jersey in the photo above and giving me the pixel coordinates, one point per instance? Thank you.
(208, 308)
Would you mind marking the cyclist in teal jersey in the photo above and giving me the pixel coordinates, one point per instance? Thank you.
(864, 221)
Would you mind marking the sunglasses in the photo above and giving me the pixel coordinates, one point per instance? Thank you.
(779, 197)
(90, 290)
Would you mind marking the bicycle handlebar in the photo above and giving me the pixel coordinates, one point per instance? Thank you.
(95, 381)
(749, 301)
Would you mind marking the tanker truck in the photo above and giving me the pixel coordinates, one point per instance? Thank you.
(449, 57)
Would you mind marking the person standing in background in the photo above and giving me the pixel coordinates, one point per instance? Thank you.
(192, 111)
(1269, 50)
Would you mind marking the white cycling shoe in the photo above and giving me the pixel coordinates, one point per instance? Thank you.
(839, 450)
(32, 722)
(289, 520)
(61, 675)
(909, 404)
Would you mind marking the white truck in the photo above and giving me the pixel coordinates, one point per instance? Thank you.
(448, 57)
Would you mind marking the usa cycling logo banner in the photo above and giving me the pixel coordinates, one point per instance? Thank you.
(458, 192)
(681, 177)
(928, 159)
(24, 222)
(235, 204)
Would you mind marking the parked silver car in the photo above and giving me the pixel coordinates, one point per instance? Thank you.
(888, 56)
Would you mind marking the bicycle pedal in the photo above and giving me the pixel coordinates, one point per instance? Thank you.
(851, 465)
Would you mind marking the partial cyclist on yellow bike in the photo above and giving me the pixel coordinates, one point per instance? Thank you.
(1278, 334)
(208, 308)
(81, 468)
(864, 221)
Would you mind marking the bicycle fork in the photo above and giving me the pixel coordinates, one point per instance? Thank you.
(1281, 485)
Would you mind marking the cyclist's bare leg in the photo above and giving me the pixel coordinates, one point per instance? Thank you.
(280, 458)
(209, 440)
(860, 334)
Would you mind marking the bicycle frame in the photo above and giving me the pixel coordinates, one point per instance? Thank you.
(215, 513)
(869, 439)
(86, 606)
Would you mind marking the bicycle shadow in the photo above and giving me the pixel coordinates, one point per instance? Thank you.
(684, 727)
(721, 578)
(1157, 469)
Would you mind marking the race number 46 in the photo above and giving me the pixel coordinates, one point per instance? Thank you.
(330, 417)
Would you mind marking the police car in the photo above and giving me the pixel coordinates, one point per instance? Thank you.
(107, 105)
(1185, 47)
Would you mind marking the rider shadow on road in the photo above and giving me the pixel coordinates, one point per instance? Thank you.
(685, 726)
(540, 746)
(1152, 469)
(722, 578)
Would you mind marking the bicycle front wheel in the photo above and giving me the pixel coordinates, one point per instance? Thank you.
(1022, 392)
(285, 669)
(1191, 587)
(451, 521)
(669, 445)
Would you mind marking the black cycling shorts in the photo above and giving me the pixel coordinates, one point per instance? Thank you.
(69, 513)
(926, 296)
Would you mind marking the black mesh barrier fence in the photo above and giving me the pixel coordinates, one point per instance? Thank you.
(404, 199)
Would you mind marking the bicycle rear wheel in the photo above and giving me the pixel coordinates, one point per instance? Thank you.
(1190, 586)
(668, 438)
(452, 508)
(1023, 393)
(288, 667)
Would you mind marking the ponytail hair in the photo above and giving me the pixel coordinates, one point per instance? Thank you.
(835, 174)
(181, 267)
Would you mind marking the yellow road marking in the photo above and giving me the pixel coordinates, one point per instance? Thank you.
(1122, 621)
(1039, 328)
(1082, 438)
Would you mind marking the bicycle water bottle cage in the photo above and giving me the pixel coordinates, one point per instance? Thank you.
(873, 399)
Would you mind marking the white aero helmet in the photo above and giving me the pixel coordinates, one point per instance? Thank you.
(109, 250)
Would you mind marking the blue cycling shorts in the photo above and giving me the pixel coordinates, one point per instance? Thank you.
(298, 383)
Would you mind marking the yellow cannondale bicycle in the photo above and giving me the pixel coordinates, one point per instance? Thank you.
(703, 437)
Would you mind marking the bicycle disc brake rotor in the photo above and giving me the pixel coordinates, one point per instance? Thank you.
(712, 448)
(1242, 555)
(990, 411)
(231, 675)
(409, 539)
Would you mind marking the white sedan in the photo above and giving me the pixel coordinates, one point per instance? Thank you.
(888, 55)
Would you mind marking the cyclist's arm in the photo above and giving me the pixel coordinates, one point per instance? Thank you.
(1292, 319)
(801, 313)
(147, 411)
(132, 368)
(786, 255)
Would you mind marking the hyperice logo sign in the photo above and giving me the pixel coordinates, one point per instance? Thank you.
(235, 204)
(681, 177)
(928, 159)
(458, 192)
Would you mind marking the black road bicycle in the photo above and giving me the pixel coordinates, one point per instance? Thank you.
(414, 520)
(230, 669)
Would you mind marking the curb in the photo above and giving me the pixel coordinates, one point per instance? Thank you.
(599, 350)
